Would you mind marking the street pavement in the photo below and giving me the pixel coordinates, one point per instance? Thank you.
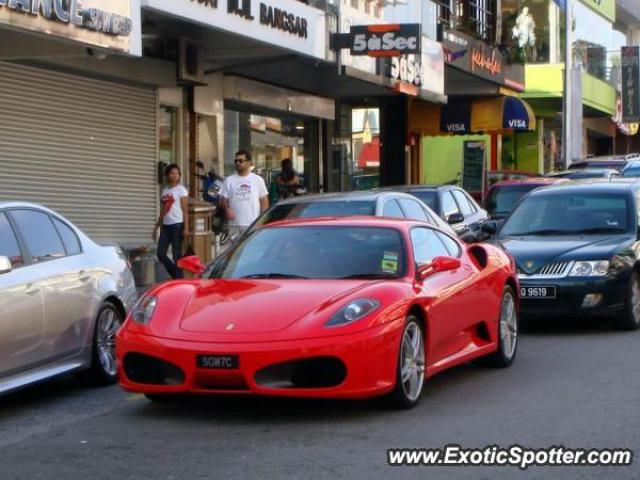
(574, 383)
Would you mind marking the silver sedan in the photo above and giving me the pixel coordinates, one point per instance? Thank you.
(62, 299)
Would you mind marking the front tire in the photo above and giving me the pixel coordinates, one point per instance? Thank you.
(508, 333)
(629, 318)
(103, 371)
(410, 370)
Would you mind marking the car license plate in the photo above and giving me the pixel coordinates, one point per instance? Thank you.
(218, 362)
(537, 292)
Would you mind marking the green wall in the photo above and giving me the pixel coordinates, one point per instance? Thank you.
(526, 147)
(442, 157)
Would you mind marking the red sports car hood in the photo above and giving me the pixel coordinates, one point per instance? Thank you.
(259, 306)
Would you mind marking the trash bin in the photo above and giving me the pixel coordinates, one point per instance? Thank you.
(143, 266)
(200, 231)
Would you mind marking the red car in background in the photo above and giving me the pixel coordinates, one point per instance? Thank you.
(503, 196)
(494, 176)
(334, 308)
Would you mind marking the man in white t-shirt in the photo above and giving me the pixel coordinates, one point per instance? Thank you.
(244, 195)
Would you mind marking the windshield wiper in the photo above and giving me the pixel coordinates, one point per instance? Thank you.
(600, 230)
(369, 276)
(273, 275)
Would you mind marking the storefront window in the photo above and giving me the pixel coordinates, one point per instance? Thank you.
(365, 146)
(270, 140)
(530, 30)
(168, 134)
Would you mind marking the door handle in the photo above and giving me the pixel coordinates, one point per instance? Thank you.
(31, 289)
(84, 275)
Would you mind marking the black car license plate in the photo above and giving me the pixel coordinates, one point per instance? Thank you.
(218, 362)
(537, 292)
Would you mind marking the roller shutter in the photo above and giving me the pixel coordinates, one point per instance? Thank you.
(83, 147)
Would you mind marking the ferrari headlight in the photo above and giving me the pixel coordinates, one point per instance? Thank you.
(143, 310)
(597, 268)
(352, 312)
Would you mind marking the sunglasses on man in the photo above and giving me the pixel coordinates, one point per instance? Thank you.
(240, 160)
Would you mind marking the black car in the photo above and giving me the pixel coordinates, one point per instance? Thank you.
(454, 205)
(577, 251)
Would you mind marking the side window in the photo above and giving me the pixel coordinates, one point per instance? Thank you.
(69, 237)
(472, 204)
(392, 209)
(426, 245)
(9, 244)
(450, 244)
(40, 235)
(449, 205)
(462, 202)
(413, 210)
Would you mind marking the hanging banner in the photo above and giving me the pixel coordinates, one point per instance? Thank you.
(630, 84)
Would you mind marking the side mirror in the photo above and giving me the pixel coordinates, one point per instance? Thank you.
(490, 227)
(5, 265)
(455, 218)
(191, 264)
(438, 264)
(469, 238)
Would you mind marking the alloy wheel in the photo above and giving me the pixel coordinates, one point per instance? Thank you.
(509, 325)
(108, 325)
(413, 361)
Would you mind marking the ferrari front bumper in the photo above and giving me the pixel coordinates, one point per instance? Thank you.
(369, 360)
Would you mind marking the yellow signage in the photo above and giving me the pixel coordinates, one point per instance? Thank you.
(606, 8)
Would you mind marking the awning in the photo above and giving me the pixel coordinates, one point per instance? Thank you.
(430, 119)
(493, 115)
(502, 114)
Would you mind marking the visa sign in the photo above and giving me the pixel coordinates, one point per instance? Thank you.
(517, 123)
(386, 40)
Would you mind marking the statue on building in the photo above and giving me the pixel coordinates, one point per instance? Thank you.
(525, 32)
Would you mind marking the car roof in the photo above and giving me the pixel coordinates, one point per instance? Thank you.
(12, 204)
(591, 185)
(418, 188)
(513, 172)
(355, 221)
(364, 195)
(528, 181)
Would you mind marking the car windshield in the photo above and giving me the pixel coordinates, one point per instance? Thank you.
(429, 197)
(569, 213)
(631, 172)
(502, 199)
(319, 252)
(336, 208)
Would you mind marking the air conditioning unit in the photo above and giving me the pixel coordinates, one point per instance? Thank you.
(190, 62)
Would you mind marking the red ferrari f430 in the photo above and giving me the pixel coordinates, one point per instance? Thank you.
(333, 308)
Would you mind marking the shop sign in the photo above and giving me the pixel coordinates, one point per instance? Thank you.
(425, 71)
(102, 23)
(287, 24)
(486, 59)
(385, 40)
(474, 56)
(630, 84)
(350, 16)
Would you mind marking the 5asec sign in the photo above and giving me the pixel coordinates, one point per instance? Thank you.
(385, 40)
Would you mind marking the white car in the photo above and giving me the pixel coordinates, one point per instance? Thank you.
(62, 299)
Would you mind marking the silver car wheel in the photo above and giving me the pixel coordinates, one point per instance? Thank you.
(108, 325)
(413, 361)
(508, 325)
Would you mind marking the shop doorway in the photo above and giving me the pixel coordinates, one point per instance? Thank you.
(272, 138)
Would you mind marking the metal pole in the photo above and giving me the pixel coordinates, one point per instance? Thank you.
(567, 121)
